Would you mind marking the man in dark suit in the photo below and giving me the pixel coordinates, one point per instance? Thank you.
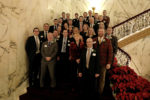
(63, 18)
(60, 22)
(85, 19)
(114, 41)
(70, 23)
(89, 69)
(80, 23)
(63, 55)
(76, 20)
(34, 56)
(54, 27)
(90, 15)
(106, 18)
(49, 50)
(96, 20)
(43, 34)
(105, 50)
(92, 24)
(67, 17)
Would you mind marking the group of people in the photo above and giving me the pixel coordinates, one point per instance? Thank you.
(80, 50)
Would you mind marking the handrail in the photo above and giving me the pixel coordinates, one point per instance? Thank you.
(131, 18)
(128, 27)
(127, 63)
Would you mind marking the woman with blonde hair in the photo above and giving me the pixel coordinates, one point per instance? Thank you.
(75, 50)
(85, 31)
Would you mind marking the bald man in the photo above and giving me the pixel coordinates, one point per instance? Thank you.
(49, 50)
(89, 69)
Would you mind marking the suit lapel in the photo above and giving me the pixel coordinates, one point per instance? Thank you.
(34, 42)
(91, 57)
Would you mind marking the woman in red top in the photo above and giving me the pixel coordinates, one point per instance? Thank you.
(76, 48)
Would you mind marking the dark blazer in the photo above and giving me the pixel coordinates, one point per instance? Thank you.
(85, 21)
(106, 20)
(105, 51)
(41, 37)
(51, 29)
(75, 22)
(97, 26)
(78, 25)
(114, 42)
(93, 63)
(75, 51)
(83, 34)
(60, 45)
(88, 18)
(31, 47)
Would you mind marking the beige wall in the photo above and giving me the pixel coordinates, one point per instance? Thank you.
(19, 17)
(140, 56)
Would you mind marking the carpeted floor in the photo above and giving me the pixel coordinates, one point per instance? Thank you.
(61, 92)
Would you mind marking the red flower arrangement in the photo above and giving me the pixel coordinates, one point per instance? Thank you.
(127, 85)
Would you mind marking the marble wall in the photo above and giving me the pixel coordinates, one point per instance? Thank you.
(140, 56)
(19, 17)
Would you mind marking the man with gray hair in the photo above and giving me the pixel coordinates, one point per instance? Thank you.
(49, 50)
(89, 70)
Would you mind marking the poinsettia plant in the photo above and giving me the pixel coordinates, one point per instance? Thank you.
(127, 85)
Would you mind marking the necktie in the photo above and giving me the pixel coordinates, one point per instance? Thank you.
(100, 41)
(64, 45)
(55, 27)
(37, 43)
(49, 44)
(45, 36)
(88, 58)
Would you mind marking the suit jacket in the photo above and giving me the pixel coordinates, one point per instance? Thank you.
(64, 21)
(88, 18)
(31, 48)
(106, 20)
(75, 22)
(93, 63)
(75, 51)
(49, 51)
(51, 29)
(78, 25)
(105, 51)
(60, 45)
(85, 20)
(41, 37)
(114, 42)
(97, 26)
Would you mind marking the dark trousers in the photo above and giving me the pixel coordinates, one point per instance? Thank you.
(63, 68)
(73, 75)
(34, 70)
(89, 86)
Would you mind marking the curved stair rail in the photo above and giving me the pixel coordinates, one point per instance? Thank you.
(132, 25)
(128, 27)
(123, 58)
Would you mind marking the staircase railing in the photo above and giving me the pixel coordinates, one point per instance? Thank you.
(123, 58)
(132, 25)
(128, 27)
